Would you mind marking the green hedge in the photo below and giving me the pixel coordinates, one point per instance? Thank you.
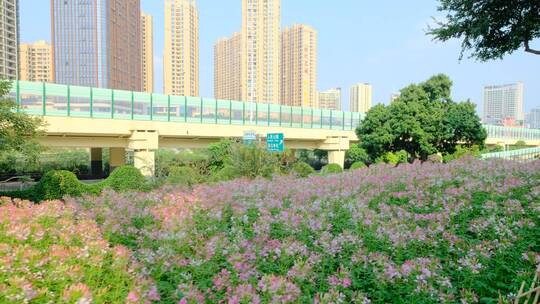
(125, 178)
(331, 169)
(58, 184)
(357, 165)
(302, 169)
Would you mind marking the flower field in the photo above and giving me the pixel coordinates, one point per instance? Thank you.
(464, 232)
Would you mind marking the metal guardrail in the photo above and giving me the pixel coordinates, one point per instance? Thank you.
(521, 154)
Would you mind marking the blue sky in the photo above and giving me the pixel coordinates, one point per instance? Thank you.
(381, 42)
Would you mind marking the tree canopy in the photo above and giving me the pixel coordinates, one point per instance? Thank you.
(491, 29)
(18, 131)
(423, 121)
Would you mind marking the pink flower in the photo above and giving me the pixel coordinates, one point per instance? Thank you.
(132, 297)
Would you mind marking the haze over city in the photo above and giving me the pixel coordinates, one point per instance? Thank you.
(382, 43)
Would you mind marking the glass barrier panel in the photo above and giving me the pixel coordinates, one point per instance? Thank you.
(296, 117)
(79, 101)
(194, 109)
(274, 114)
(317, 115)
(348, 121)
(286, 116)
(178, 108)
(263, 109)
(31, 97)
(160, 107)
(209, 110)
(101, 103)
(237, 113)
(326, 120)
(224, 112)
(56, 99)
(355, 120)
(250, 114)
(122, 104)
(141, 106)
(306, 117)
(337, 120)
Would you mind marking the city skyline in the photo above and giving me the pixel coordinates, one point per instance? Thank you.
(388, 68)
(503, 104)
(97, 43)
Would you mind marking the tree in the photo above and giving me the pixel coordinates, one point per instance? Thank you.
(356, 155)
(18, 131)
(423, 121)
(490, 28)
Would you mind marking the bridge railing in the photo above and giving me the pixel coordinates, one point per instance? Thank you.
(520, 155)
(48, 99)
(500, 132)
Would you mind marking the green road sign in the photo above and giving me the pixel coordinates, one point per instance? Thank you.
(275, 142)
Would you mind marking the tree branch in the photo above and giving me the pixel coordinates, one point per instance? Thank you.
(529, 50)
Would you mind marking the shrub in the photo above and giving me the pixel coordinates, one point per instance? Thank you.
(57, 184)
(183, 176)
(301, 169)
(219, 154)
(461, 151)
(125, 178)
(435, 158)
(331, 169)
(73, 160)
(252, 161)
(315, 158)
(228, 173)
(358, 165)
(394, 158)
(356, 154)
(286, 160)
(167, 159)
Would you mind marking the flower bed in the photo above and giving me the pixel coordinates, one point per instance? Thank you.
(430, 233)
(50, 255)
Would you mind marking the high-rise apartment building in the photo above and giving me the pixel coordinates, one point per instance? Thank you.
(361, 97)
(260, 64)
(330, 100)
(503, 103)
(97, 43)
(299, 66)
(147, 53)
(35, 63)
(227, 56)
(9, 39)
(181, 57)
(533, 119)
(394, 96)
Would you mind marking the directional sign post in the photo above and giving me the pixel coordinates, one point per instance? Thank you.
(275, 142)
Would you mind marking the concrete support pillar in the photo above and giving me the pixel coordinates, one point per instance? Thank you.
(336, 147)
(144, 143)
(337, 157)
(96, 162)
(145, 161)
(117, 158)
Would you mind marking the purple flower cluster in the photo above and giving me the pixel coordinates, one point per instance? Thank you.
(430, 233)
